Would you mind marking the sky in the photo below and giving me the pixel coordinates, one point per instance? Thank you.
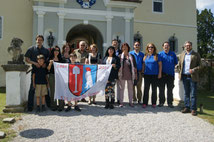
(202, 4)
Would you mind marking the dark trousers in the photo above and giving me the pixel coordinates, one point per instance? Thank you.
(31, 93)
(168, 81)
(150, 80)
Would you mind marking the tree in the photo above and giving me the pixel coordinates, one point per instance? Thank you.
(205, 27)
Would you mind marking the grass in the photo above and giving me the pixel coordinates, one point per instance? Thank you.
(5, 127)
(207, 99)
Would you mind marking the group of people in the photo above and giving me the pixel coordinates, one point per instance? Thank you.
(157, 69)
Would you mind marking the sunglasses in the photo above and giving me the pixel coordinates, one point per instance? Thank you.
(150, 47)
(137, 45)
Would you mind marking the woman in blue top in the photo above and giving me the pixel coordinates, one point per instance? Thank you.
(152, 72)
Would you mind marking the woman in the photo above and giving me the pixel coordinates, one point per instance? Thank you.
(152, 72)
(127, 72)
(66, 51)
(93, 58)
(54, 57)
(111, 58)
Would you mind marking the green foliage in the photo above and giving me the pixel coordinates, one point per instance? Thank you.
(205, 27)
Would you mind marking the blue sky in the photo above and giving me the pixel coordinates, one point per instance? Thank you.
(202, 4)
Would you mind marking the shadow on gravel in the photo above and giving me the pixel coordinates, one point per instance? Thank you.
(36, 133)
(99, 110)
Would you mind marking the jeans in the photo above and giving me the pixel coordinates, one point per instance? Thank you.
(168, 81)
(190, 90)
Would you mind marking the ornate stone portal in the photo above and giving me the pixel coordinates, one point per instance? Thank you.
(16, 69)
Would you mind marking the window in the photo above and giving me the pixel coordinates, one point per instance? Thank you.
(1, 27)
(173, 42)
(158, 6)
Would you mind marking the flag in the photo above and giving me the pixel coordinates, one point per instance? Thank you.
(77, 81)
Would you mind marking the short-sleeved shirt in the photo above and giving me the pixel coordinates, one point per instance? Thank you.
(151, 66)
(81, 56)
(94, 60)
(138, 58)
(34, 51)
(169, 60)
(40, 75)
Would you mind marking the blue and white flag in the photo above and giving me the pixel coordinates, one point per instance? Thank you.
(75, 81)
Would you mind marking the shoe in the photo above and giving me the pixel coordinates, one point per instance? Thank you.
(89, 103)
(194, 113)
(118, 102)
(121, 105)
(131, 105)
(111, 106)
(77, 108)
(160, 105)
(153, 106)
(185, 110)
(38, 109)
(59, 109)
(139, 102)
(144, 106)
(83, 100)
(43, 108)
(53, 109)
(68, 108)
(94, 103)
(30, 109)
(171, 106)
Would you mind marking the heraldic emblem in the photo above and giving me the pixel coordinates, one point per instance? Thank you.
(86, 3)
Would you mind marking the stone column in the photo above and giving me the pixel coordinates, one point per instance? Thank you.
(127, 29)
(16, 96)
(40, 22)
(109, 30)
(61, 29)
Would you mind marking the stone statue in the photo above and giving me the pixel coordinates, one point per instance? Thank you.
(15, 50)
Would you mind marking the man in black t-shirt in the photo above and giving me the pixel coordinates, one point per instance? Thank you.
(31, 58)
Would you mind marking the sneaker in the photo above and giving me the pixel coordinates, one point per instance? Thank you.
(160, 105)
(68, 108)
(38, 109)
(194, 113)
(121, 105)
(171, 106)
(144, 105)
(77, 108)
(43, 108)
(153, 106)
(186, 110)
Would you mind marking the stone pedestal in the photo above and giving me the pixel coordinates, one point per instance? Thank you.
(178, 91)
(16, 96)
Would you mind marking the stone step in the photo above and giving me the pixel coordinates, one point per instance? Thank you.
(2, 135)
(9, 120)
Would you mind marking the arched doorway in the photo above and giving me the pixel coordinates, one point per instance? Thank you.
(89, 33)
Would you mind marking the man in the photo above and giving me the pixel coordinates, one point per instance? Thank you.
(31, 58)
(81, 56)
(189, 65)
(81, 52)
(169, 60)
(114, 43)
(139, 62)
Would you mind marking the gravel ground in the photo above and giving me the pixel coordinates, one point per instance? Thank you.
(94, 123)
